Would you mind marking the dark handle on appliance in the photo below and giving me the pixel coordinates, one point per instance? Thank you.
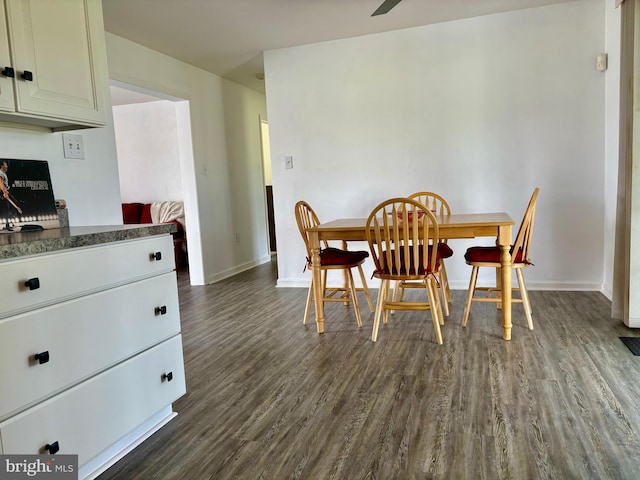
(167, 376)
(42, 357)
(161, 310)
(32, 283)
(156, 256)
(53, 448)
(27, 75)
(8, 72)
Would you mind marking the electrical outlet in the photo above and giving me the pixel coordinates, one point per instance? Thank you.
(73, 145)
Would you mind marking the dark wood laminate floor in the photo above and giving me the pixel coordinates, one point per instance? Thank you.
(269, 398)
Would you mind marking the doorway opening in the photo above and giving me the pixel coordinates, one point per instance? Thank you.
(155, 163)
(268, 184)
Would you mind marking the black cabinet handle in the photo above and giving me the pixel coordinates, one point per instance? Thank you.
(42, 357)
(27, 75)
(167, 376)
(52, 448)
(161, 310)
(8, 72)
(156, 256)
(33, 283)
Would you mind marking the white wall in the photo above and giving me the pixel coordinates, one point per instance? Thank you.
(90, 186)
(148, 152)
(224, 189)
(480, 110)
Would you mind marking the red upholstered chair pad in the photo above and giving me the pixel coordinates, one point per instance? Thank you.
(444, 250)
(335, 256)
(489, 255)
(402, 270)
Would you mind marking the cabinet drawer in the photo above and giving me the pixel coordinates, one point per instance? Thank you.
(95, 414)
(78, 271)
(82, 337)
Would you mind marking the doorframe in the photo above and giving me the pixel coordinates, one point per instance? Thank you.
(187, 173)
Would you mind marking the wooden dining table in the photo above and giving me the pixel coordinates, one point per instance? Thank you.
(465, 225)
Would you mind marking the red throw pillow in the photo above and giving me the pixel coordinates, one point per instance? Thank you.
(131, 212)
(145, 216)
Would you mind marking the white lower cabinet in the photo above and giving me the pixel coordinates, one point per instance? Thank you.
(94, 353)
(95, 414)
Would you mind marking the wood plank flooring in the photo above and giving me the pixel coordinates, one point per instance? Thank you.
(269, 398)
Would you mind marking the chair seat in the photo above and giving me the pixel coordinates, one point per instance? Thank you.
(334, 256)
(392, 270)
(489, 255)
(444, 250)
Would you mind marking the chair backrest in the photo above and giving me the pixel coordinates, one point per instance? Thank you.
(306, 218)
(399, 231)
(523, 238)
(433, 202)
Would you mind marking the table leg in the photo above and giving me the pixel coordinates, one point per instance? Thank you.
(504, 240)
(314, 243)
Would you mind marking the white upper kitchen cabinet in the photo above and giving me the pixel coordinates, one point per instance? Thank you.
(52, 63)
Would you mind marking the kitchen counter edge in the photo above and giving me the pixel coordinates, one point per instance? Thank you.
(21, 244)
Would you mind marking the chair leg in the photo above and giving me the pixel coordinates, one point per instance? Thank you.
(324, 282)
(443, 291)
(470, 292)
(445, 282)
(376, 320)
(445, 303)
(432, 294)
(437, 306)
(365, 287)
(387, 297)
(307, 307)
(525, 298)
(498, 288)
(356, 307)
(396, 287)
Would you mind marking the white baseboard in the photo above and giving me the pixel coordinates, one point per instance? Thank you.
(230, 272)
(100, 464)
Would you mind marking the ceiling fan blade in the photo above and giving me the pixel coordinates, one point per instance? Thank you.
(385, 7)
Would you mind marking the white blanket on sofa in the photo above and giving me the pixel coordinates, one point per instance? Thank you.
(163, 212)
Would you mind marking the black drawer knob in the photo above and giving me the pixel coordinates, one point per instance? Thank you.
(52, 448)
(27, 75)
(32, 283)
(167, 376)
(161, 310)
(8, 72)
(42, 357)
(156, 256)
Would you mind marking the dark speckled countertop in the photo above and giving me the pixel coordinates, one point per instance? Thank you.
(20, 244)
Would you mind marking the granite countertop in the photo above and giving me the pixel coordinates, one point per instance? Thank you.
(20, 244)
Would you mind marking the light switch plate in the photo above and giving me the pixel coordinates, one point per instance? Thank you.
(288, 162)
(73, 145)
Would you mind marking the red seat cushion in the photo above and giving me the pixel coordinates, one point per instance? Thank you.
(444, 250)
(388, 270)
(489, 255)
(131, 212)
(335, 256)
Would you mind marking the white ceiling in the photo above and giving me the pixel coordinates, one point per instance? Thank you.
(227, 37)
